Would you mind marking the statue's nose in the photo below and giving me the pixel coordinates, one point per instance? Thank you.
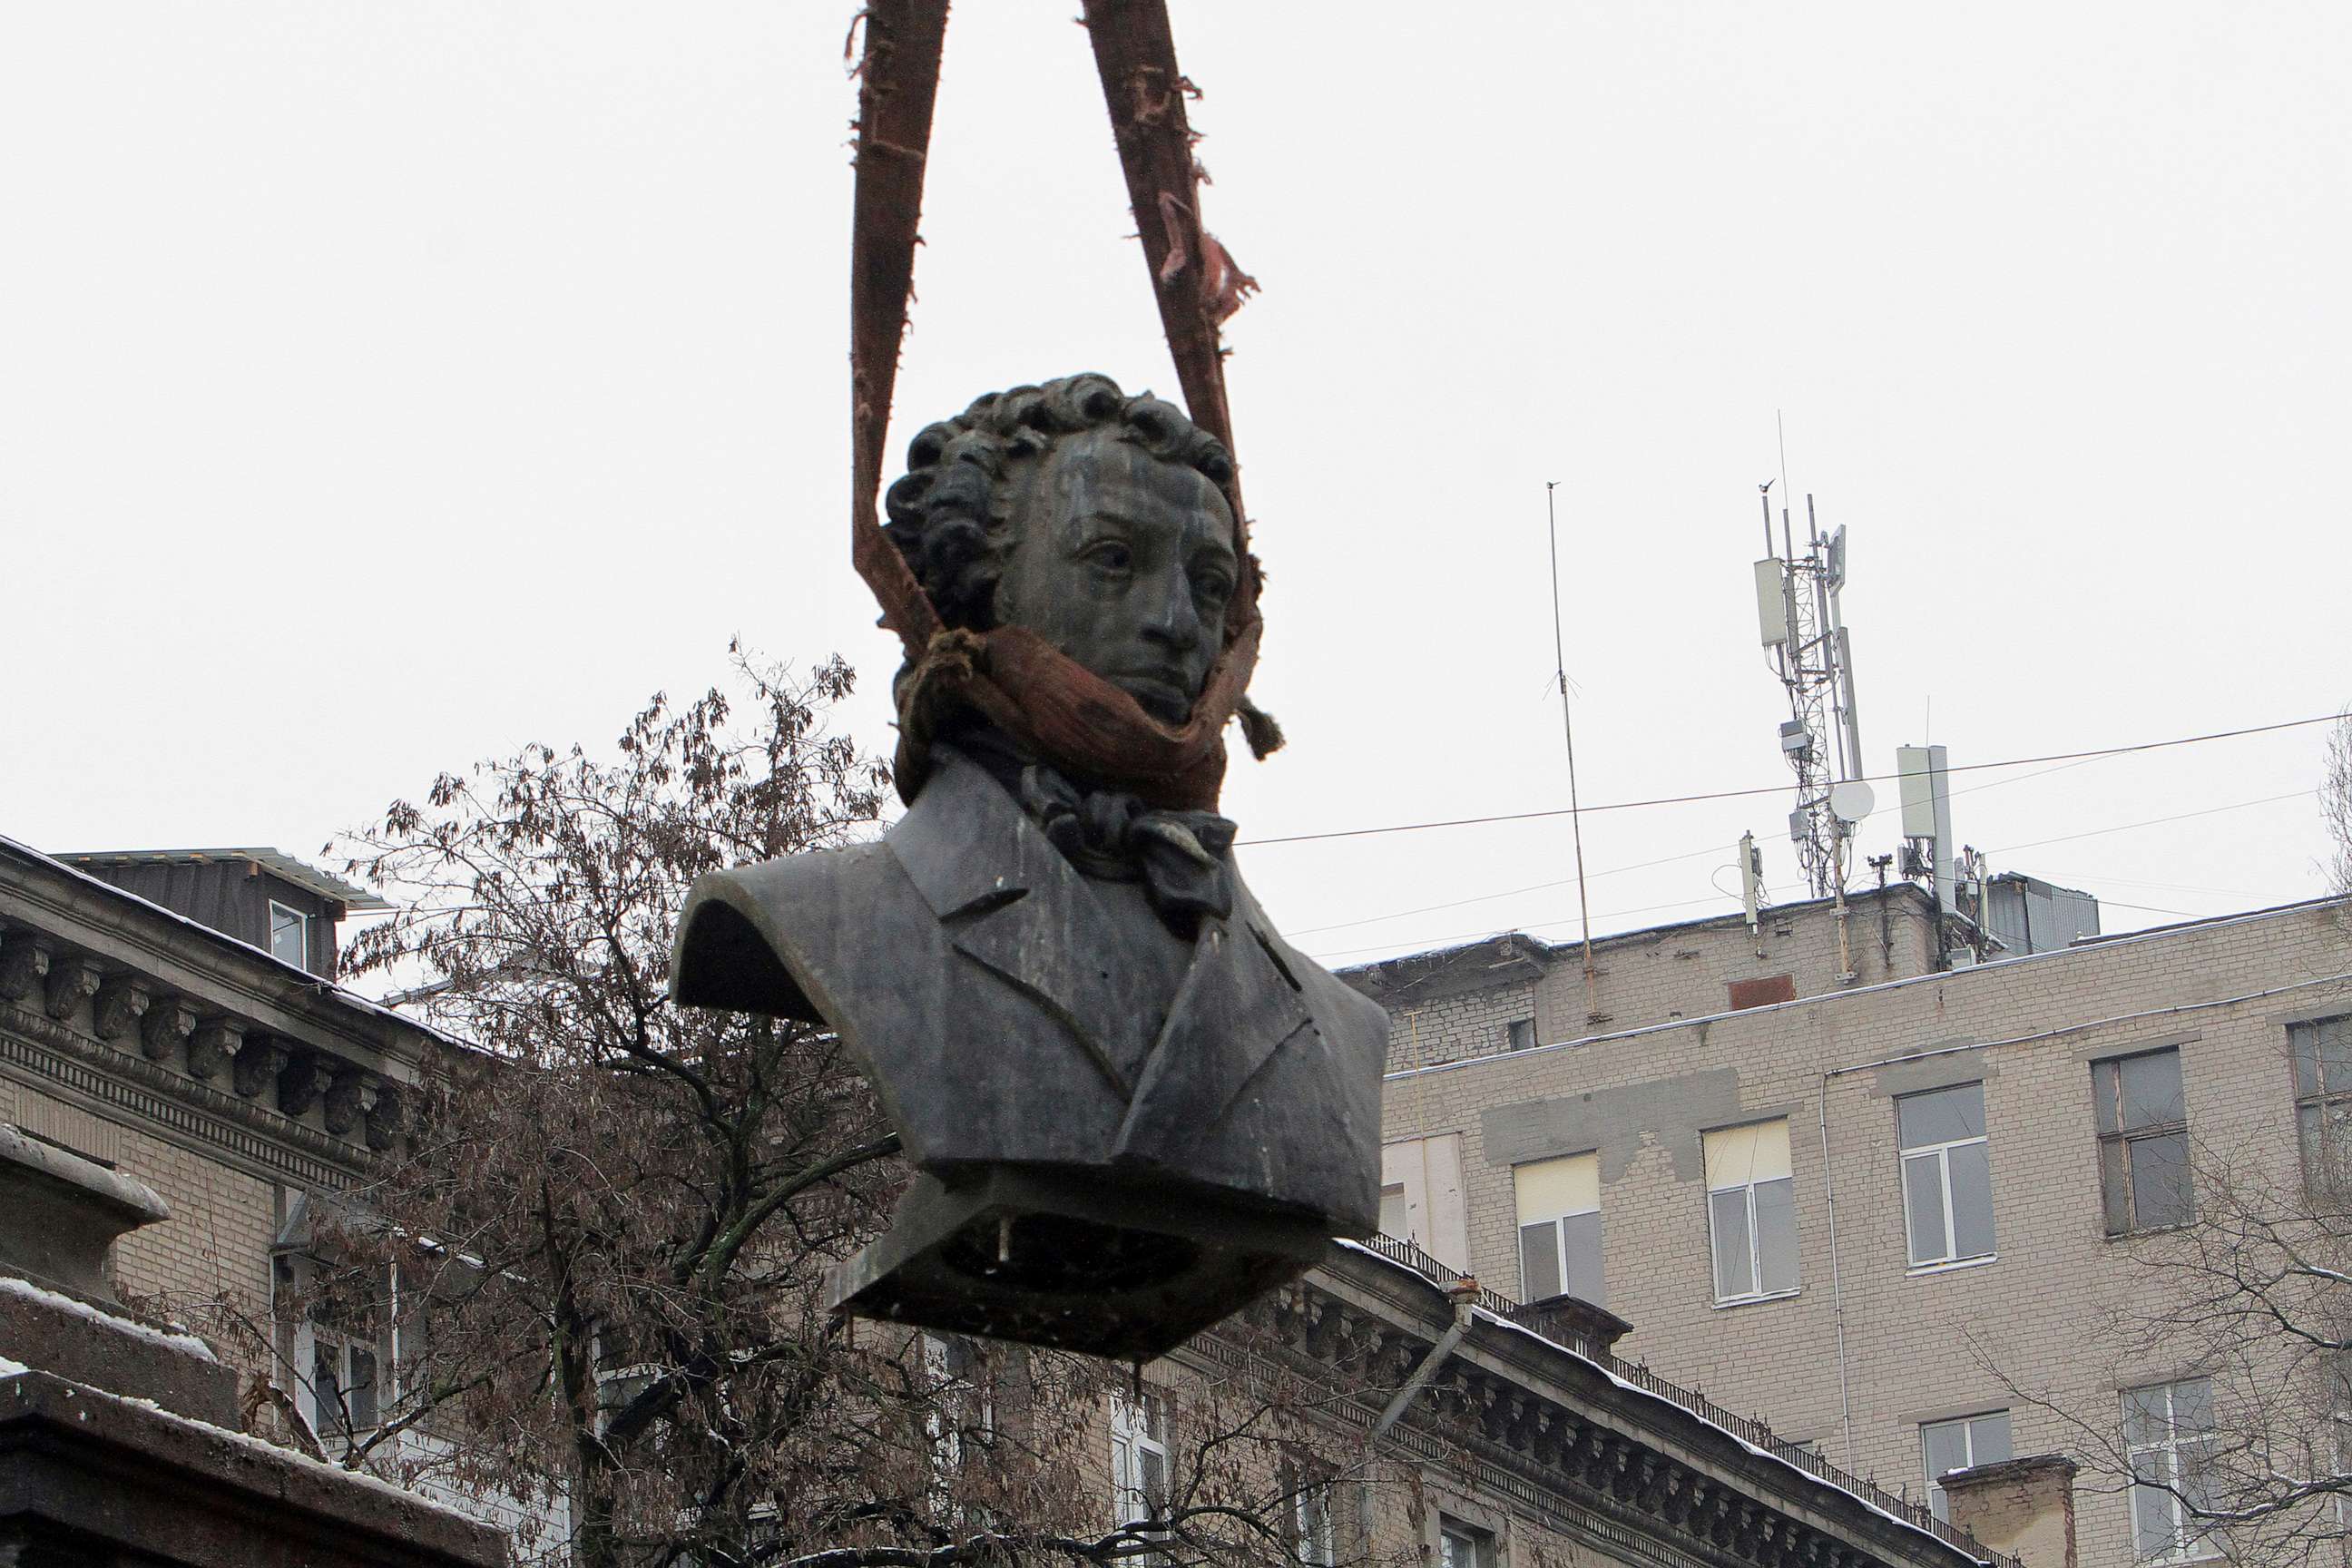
(1172, 617)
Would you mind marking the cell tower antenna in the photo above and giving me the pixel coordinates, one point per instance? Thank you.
(1568, 734)
(1801, 620)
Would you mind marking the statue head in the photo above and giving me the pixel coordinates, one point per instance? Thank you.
(1099, 521)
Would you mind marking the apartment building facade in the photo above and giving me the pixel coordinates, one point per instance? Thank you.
(172, 1019)
(1877, 1211)
(172, 1016)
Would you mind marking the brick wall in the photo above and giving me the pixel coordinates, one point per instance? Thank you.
(1656, 977)
(1449, 1029)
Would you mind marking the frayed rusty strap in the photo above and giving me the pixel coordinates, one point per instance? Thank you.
(1043, 700)
(1065, 713)
(898, 81)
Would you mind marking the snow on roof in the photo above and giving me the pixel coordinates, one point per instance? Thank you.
(302, 874)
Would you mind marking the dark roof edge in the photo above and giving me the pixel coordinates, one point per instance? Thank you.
(223, 955)
(1358, 975)
(301, 873)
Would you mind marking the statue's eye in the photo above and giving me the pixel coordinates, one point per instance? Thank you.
(1212, 587)
(1109, 556)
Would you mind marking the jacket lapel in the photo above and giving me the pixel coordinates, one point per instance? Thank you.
(1009, 900)
(1237, 1007)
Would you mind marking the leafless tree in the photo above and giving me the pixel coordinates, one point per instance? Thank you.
(2244, 1450)
(600, 1254)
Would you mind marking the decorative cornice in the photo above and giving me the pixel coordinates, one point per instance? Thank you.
(256, 1066)
(1550, 1498)
(24, 964)
(50, 908)
(214, 1045)
(92, 995)
(303, 1078)
(350, 1094)
(73, 981)
(1550, 1428)
(386, 1118)
(168, 1023)
(36, 1050)
(122, 1003)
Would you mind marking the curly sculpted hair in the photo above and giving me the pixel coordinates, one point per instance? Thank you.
(952, 515)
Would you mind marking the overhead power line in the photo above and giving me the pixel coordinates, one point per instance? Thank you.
(1777, 789)
(1530, 926)
(1687, 903)
(1646, 865)
(2152, 822)
(1510, 892)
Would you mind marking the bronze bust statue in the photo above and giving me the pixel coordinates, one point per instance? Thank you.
(1130, 1100)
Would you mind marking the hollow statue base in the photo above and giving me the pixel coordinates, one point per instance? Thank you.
(1069, 1259)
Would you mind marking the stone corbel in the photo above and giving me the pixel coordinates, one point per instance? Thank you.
(212, 1045)
(301, 1081)
(122, 1002)
(257, 1065)
(167, 1023)
(72, 980)
(24, 964)
(348, 1098)
(383, 1118)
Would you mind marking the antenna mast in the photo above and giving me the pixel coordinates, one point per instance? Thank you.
(1800, 620)
(1568, 734)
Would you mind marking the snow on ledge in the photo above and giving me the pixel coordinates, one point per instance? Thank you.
(186, 1343)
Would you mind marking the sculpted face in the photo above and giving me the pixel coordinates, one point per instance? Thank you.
(1126, 564)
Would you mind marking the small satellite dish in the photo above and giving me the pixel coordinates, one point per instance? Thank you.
(1851, 801)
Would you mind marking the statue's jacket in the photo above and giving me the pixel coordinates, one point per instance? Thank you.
(972, 968)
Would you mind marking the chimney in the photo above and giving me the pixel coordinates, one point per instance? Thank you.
(1583, 1326)
(2024, 1507)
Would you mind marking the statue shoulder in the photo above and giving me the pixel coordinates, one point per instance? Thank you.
(762, 938)
(1351, 1021)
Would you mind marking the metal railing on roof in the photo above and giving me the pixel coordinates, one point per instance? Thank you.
(1749, 1429)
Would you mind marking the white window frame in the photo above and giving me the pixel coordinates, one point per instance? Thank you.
(1937, 1504)
(1942, 1154)
(1313, 1539)
(328, 1418)
(1757, 1292)
(301, 923)
(310, 1334)
(1138, 1433)
(2165, 1454)
(957, 1403)
(1554, 1216)
(946, 1442)
(1479, 1544)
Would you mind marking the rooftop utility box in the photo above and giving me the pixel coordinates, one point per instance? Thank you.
(2029, 915)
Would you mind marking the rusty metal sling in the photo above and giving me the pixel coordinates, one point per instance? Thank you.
(1014, 679)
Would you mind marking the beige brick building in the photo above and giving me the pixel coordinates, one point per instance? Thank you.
(1853, 1209)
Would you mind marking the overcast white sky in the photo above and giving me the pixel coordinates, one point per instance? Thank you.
(384, 386)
